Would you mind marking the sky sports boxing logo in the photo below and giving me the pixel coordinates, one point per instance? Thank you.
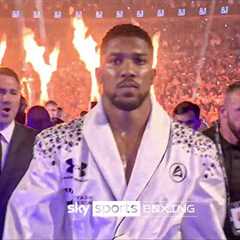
(131, 209)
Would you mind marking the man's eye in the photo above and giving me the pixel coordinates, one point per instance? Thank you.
(116, 61)
(14, 92)
(140, 61)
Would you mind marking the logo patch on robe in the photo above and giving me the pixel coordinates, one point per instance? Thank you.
(178, 172)
(76, 172)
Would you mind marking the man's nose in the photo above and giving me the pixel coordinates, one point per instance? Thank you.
(128, 69)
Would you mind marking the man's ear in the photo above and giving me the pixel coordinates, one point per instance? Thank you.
(222, 111)
(98, 73)
(154, 72)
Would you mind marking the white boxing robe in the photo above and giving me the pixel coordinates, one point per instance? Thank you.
(78, 162)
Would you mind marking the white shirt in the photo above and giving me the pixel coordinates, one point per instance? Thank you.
(6, 135)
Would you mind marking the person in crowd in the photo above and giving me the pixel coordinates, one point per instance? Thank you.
(21, 114)
(60, 114)
(16, 140)
(52, 108)
(226, 134)
(38, 118)
(204, 125)
(188, 113)
(125, 149)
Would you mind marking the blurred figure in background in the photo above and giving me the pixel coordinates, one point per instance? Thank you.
(226, 134)
(60, 114)
(188, 113)
(38, 118)
(52, 108)
(16, 140)
(204, 125)
(21, 114)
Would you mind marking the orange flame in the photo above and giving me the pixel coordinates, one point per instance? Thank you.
(155, 42)
(86, 47)
(3, 46)
(34, 55)
(26, 81)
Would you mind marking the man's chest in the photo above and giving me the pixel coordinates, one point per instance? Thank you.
(128, 148)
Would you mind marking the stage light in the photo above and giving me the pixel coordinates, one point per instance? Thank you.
(58, 14)
(202, 11)
(119, 14)
(140, 14)
(224, 10)
(16, 14)
(99, 14)
(181, 12)
(78, 14)
(160, 13)
(60, 9)
(36, 14)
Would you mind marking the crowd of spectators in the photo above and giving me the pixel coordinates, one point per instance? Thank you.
(198, 57)
(40, 117)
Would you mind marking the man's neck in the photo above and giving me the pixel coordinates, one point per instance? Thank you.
(128, 122)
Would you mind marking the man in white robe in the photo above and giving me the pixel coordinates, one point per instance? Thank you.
(125, 149)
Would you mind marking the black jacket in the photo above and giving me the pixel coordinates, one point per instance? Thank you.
(231, 154)
(17, 161)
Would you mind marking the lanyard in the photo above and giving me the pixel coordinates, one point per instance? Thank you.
(221, 160)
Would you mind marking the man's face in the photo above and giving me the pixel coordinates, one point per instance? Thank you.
(52, 110)
(189, 118)
(232, 113)
(126, 72)
(9, 99)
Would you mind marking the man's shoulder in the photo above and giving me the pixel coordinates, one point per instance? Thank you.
(210, 132)
(26, 130)
(64, 135)
(64, 130)
(191, 140)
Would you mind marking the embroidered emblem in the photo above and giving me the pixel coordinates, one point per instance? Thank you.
(178, 172)
(77, 172)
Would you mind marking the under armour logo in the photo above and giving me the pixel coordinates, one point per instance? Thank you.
(80, 169)
(178, 172)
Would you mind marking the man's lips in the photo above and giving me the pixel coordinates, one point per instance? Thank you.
(6, 109)
(128, 84)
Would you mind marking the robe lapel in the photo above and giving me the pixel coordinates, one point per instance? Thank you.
(100, 140)
(151, 151)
